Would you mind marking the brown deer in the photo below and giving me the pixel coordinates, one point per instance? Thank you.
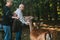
(36, 33)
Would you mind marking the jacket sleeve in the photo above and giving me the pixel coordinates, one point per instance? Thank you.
(7, 13)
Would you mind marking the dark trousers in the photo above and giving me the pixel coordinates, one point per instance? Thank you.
(18, 34)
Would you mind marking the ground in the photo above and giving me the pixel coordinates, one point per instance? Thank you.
(25, 34)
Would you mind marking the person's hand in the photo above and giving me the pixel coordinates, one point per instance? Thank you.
(27, 23)
(15, 17)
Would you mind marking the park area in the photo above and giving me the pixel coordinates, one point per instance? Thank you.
(46, 16)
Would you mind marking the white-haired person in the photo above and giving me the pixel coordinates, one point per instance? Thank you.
(20, 17)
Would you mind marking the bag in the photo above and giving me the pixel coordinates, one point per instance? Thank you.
(16, 25)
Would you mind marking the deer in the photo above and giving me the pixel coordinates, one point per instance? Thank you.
(36, 33)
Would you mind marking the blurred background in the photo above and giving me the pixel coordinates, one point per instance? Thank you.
(46, 11)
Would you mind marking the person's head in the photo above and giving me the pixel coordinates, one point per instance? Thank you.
(21, 6)
(9, 3)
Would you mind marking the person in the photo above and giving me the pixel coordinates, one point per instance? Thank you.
(7, 20)
(20, 17)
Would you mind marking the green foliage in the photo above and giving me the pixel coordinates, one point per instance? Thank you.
(40, 8)
(0, 10)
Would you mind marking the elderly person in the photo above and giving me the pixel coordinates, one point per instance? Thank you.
(7, 20)
(20, 17)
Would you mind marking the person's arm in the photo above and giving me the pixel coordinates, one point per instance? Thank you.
(7, 12)
(23, 19)
(15, 16)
